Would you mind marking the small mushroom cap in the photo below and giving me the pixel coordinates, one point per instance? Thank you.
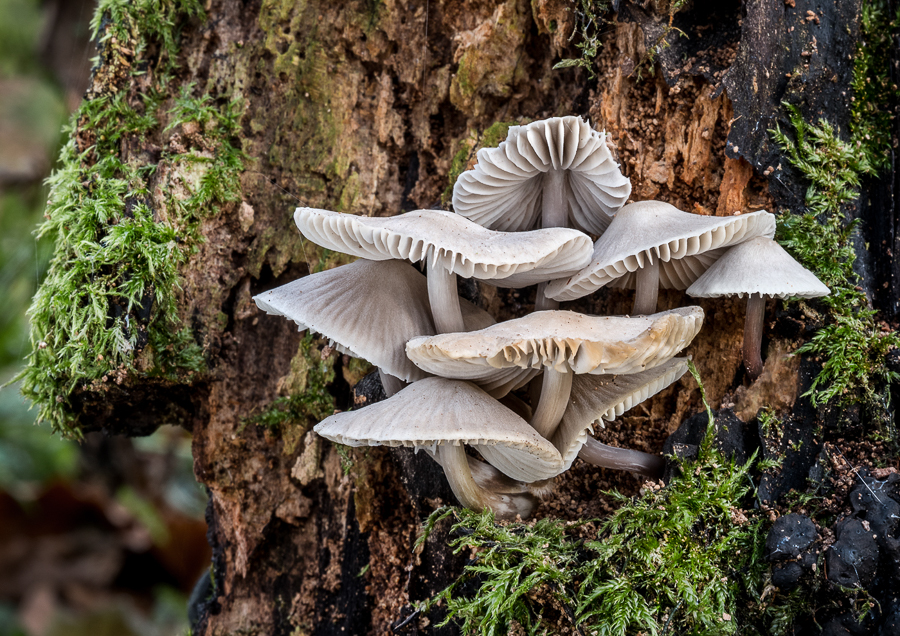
(685, 244)
(503, 191)
(562, 340)
(437, 411)
(370, 309)
(452, 242)
(596, 398)
(758, 266)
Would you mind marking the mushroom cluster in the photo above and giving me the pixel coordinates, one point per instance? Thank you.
(454, 377)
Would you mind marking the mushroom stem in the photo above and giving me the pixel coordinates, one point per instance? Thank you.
(444, 300)
(553, 200)
(541, 302)
(493, 480)
(753, 324)
(455, 462)
(593, 452)
(646, 289)
(554, 397)
(391, 384)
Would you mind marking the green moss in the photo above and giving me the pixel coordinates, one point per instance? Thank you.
(468, 147)
(109, 294)
(850, 346)
(589, 24)
(683, 559)
(875, 96)
(312, 370)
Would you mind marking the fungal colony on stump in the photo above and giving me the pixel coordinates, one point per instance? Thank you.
(520, 219)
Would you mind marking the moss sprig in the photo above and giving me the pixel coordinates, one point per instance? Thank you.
(851, 347)
(110, 292)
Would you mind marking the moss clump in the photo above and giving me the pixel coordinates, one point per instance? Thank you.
(468, 147)
(681, 559)
(851, 346)
(110, 289)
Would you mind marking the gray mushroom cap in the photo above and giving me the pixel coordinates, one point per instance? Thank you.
(369, 309)
(504, 190)
(437, 411)
(596, 398)
(684, 244)
(451, 242)
(758, 266)
(561, 340)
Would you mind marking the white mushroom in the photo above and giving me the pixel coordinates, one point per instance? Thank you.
(451, 246)
(442, 416)
(652, 244)
(596, 398)
(560, 343)
(761, 269)
(556, 172)
(369, 309)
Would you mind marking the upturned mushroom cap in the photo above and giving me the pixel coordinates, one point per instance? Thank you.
(685, 245)
(369, 309)
(503, 191)
(758, 266)
(596, 398)
(436, 411)
(452, 242)
(561, 340)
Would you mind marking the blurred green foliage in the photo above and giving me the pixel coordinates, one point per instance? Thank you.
(20, 24)
(32, 108)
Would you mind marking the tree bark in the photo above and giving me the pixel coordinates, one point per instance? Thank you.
(362, 107)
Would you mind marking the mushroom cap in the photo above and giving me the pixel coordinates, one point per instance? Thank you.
(758, 266)
(437, 411)
(369, 309)
(503, 191)
(452, 242)
(595, 398)
(685, 244)
(562, 340)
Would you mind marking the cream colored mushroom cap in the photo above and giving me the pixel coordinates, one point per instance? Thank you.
(436, 411)
(561, 340)
(685, 245)
(595, 398)
(452, 242)
(369, 309)
(758, 266)
(503, 191)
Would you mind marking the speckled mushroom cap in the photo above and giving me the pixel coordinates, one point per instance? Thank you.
(595, 398)
(452, 242)
(758, 266)
(436, 411)
(503, 191)
(369, 309)
(685, 244)
(561, 340)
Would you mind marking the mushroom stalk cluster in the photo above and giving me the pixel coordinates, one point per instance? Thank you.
(450, 369)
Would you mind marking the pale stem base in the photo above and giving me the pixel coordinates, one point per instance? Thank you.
(444, 300)
(456, 467)
(593, 452)
(753, 325)
(646, 289)
(555, 393)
